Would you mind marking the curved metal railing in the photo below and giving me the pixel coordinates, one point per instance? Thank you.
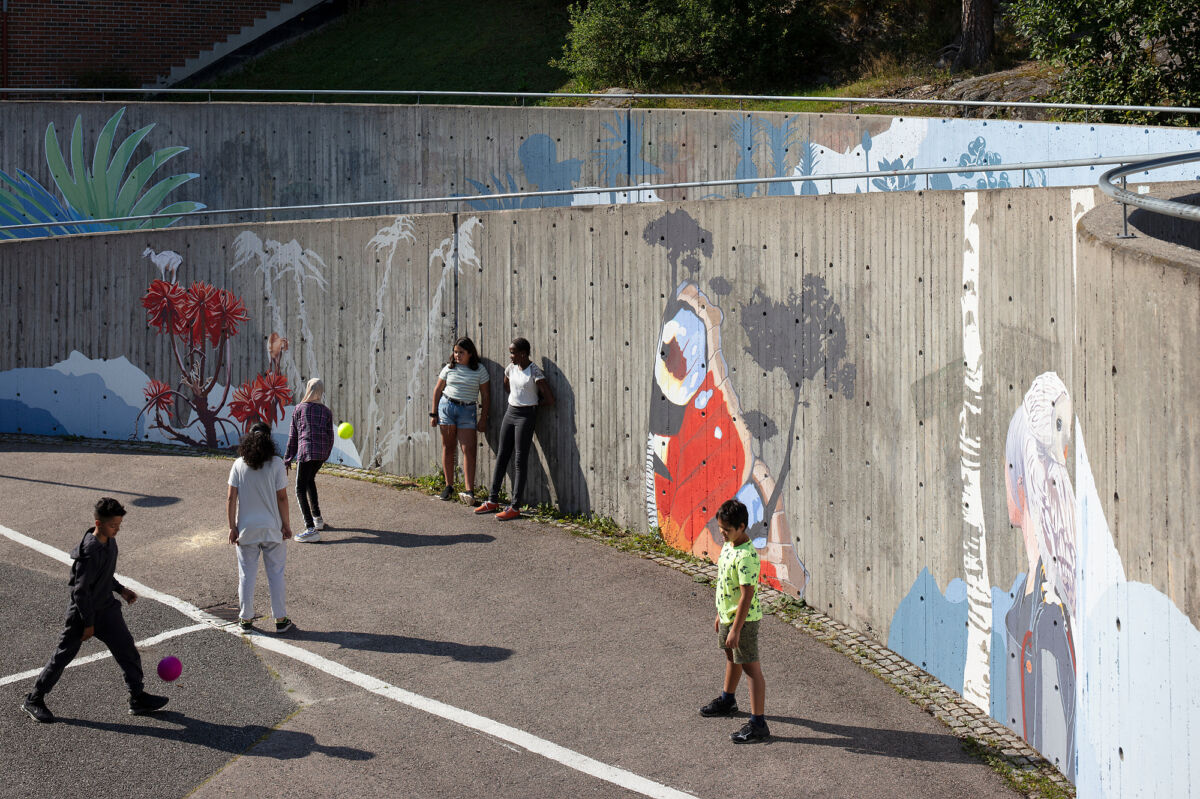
(1154, 204)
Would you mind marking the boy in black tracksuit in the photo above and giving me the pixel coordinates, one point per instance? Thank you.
(95, 611)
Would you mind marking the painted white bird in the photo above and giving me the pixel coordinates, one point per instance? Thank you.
(1039, 435)
(167, 262)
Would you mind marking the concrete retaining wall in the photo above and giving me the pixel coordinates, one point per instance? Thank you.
(882, 363)
(259, 155)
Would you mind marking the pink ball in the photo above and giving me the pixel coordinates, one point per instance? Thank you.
(169, 668)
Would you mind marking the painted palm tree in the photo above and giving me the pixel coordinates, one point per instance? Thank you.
(780, 139)
(385, 242)
(977, 669)
(743, 129)
(808, 166)
(277, 261)
(102, 190)
(622, 154)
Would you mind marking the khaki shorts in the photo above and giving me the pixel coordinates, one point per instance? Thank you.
(747, 648)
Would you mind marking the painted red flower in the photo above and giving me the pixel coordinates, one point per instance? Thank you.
(165, 307)
(272, 393)
(158, 395)
(230, 312)
(242, 406)
(202, 313)
(260, 400)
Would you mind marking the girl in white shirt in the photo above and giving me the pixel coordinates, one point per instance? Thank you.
(257, 508)
(527, 389)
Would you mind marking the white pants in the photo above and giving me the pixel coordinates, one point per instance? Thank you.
(274, 556)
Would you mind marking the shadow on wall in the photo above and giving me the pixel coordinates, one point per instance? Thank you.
(557, 439)
(555, 474)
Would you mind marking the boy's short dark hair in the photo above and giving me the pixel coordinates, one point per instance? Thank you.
(108, 508)
(521, 344)
(733, 513)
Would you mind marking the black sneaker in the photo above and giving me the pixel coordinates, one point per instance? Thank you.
(143, 704)
(245, 625)
(35, 706)
(719, 707)
(447, 494)
(283, 625)
(750, 732)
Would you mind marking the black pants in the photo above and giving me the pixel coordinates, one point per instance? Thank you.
(306, 490)
(516, 434)
(110, 628)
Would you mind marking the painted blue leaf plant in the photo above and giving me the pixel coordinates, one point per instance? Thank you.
(977, 155)
(895, 182)
(107, 189)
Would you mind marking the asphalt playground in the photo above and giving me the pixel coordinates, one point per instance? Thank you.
(437, 654)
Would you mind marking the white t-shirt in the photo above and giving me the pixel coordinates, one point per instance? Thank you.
(462, 382)
(257, 508)
(522, 384)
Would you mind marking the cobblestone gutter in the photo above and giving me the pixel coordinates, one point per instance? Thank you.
(1024, 769)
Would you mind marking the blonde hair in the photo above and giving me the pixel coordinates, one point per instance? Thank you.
(314, 390)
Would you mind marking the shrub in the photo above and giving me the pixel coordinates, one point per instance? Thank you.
(668, 44)
(1117, 52)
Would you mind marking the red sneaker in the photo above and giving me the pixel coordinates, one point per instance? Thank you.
(508, 514)
(487, 506)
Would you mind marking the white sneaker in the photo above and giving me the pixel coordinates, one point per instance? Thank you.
(318, 523)
(309, 536)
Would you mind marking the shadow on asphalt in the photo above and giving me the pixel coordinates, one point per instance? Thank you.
(139, 500)
(873, 741)
(409, 540)
(380, 642)
(234, 739)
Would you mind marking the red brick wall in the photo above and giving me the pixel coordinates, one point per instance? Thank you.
(116, 42)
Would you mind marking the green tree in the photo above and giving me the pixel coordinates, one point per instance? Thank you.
(1117, 52)
(668, 44)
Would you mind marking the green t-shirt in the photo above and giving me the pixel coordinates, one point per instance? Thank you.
(736, 567)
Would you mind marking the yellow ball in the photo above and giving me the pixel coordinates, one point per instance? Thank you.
(345, 430)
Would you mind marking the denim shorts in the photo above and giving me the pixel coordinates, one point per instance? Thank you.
(461, 416)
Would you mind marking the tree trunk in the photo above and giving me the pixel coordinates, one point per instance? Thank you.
(977, 33)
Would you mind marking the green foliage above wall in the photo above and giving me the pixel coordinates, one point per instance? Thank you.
(663, 44)
(1117, 52)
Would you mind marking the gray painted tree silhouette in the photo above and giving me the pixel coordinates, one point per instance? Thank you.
(806, 338)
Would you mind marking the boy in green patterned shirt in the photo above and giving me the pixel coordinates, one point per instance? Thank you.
(738, 616)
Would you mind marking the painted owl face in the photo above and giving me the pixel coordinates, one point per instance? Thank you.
(682, 356)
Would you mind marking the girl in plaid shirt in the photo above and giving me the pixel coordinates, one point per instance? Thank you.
(311, 440)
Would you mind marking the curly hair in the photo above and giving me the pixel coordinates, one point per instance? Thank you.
(256, 447)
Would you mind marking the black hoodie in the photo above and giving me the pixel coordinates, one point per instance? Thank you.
(93, 576)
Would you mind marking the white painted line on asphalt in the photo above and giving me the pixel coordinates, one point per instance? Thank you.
(151, 641)
(525, 740)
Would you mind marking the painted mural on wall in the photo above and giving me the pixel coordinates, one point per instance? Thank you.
(1091, 669)
(620, 159)
(199, 404)
(700, 448)
(104, 189)
(774, 146)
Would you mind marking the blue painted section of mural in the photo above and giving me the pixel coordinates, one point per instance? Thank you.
(768, 146)
(48, 401)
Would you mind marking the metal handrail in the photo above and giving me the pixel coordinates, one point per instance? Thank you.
(1154, 204)
(419, 93)
(461, 198)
